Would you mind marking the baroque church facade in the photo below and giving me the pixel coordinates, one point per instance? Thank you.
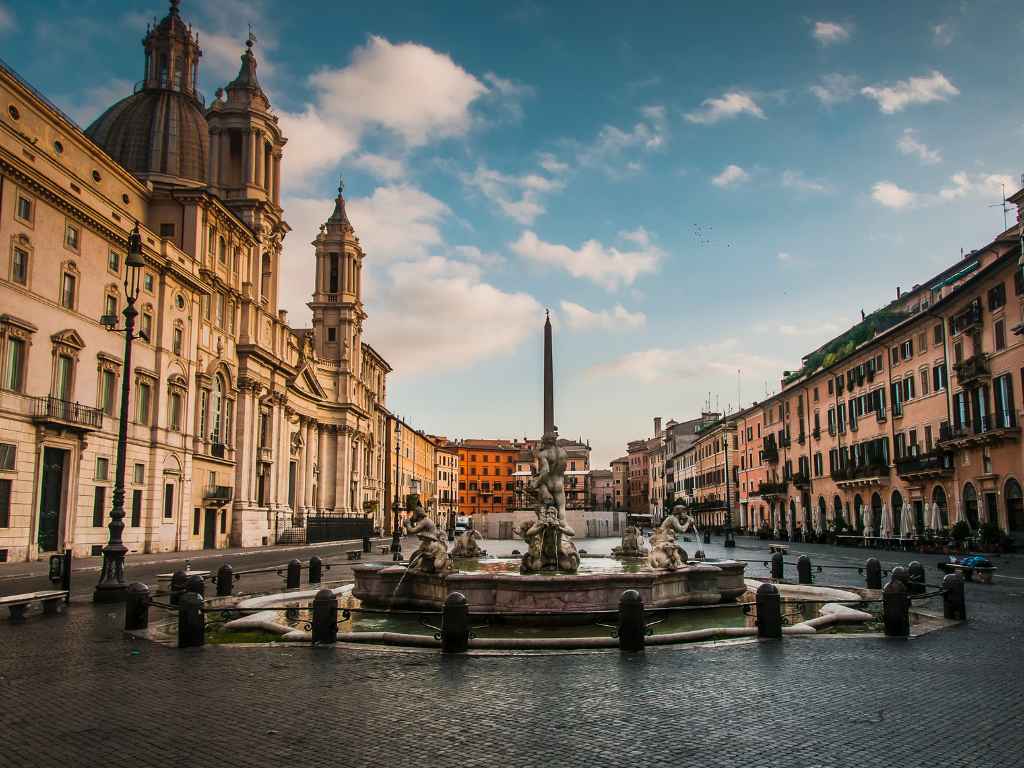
(241, 427)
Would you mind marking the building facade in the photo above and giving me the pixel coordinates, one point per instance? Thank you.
(487, 480)
(242, 427)
(620, 483)
(602, 489)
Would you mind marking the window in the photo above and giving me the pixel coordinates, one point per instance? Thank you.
(907, 350)
(195, 521)
(174, 411)
(147, 282)
(332, 335)
(939, 377)
(928, 444)
(999, 332)
(332, 283)
(221, 251)
(207, 311)
(177, 340)
(168, 500)
(908, 388)
(62, 383)
(72, 236)
(24, 209)
(139, 474)
(167, 230)
(8, 455)
(99, 504)
(136, 519)
(894, 355)
(958, 352)
(14, 369)
(5, 503)
(102, 467)
(147, 325)
(108, 391)
(143, 397)
(937, 334)
(220, 310)
(114, 262)
(1002, 388)
(110, 304)
(19, 266)
(67, 290)
(922, 342)
(996, 297)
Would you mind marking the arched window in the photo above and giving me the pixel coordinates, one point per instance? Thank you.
(876, 514)
(221, 251)
(897, 513)
(837, 509)
(216, 407)
(858, 512)
(821, 513)
(1014, 506)
(971, 505)
(265, 277)
(942, 507)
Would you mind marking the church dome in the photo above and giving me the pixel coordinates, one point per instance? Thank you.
(161, 129)
(156, 131)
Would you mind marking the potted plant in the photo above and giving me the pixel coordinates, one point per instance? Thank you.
(959, 533)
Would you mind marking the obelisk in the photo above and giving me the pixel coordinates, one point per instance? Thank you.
(549, 379)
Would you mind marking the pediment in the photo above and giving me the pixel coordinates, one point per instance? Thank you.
(69, 337)
(305, 381)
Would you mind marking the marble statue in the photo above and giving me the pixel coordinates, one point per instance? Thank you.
(666, 554)
(466, 545)
(549, 482)
(633, 544)
(549, 544)
(432, 555)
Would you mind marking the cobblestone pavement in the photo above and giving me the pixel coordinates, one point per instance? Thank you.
(76, 691)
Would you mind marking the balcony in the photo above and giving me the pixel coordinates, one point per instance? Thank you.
(772, 489)
(801, 480)
(967, 319)
(64, 414)
(863, 474)
(983, 428)
(785, 441)
(928, 465)
(707, 506)
(218, 494)
(973, 369)
(771, 454)
(217, 450)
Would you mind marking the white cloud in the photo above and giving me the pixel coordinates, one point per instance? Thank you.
(909, 145)
(384, 168)
(835, 88)
(916, 90)
(943, 34)
(606, 266)
(552, 164)
(398, 222)
(830, 32)
(796, 180)
(615, 149)
(699, 362)
(474, 254)
(640, 236)
(509, 94)
(314, 145)
(784, 257)
(618, 318)
(518, 197)
(729, 105)
(731, 175)
(891, 195)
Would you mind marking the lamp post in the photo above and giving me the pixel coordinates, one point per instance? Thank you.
(111, 587)
(396, 533)
(451, 506)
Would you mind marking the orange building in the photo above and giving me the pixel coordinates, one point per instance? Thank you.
(487, 475)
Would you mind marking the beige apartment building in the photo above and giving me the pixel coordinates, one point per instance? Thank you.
(916, 408)
(620, 483)
(243, 429)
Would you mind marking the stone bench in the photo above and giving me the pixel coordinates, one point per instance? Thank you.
(50, 598)
(984, 573)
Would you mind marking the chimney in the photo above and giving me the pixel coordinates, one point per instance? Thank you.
(898, 292)
(657, 425)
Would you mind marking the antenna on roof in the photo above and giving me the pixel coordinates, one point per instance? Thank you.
(1004, 204)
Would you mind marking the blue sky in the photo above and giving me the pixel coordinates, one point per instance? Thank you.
(694, 190)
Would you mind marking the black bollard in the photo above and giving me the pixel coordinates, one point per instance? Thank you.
(953, 604)
(769, 611)
(455, 624)
(632, 629)
(136, 607)
(803, 569)
(178, 581)
(294, 578)
(197, 585)
(366, 545)
(316, 569)
(325, 617)
(896, 607)
(915, 573)
(778, 566)
(873, 573)
(900, 573)
(225, 580)
(191, 622)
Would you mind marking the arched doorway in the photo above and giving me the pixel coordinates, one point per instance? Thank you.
(792, 516)
(971, 506)
(837, 509)
(1014, 506)
(822, 523)
(876, 514)
(858, 512)
(897, 514)
(805, 502)
(940, 503)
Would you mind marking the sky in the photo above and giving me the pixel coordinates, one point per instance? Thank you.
(700, 193)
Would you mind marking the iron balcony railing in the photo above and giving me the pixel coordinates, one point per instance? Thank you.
(979, 424)
(772, 489)
(771, 454)
(70, 413)
(218, 493)
(801, 479)
(936, 461)
(874, 469)
(973, 368)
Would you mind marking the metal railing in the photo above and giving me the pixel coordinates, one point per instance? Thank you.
(50, 407)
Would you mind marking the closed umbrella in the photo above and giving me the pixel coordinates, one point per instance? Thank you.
(909, 525)
(886, 527)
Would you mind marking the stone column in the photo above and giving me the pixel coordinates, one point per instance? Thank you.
(321, 454)
(277, 179)
(339, 470)
(215, 158)
(246, 156)
(245, 449)
(223, 149)
(310, 439)
(257, 142)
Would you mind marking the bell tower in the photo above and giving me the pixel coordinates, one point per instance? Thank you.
(172, 55)
(337, 296)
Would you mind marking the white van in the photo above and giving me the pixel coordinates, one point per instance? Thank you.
(462, 524)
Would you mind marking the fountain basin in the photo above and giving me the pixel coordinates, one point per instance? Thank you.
(497, 591)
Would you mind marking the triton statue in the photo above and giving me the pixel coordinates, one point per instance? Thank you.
(432, 555)
(666, 554)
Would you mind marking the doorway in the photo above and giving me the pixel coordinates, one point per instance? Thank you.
(51, 498)
(210, 528)
(991, 508)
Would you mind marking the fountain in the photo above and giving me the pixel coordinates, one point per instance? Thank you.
(549, 578)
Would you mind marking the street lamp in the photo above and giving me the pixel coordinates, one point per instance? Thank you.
(111, 586)
(396, 534)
